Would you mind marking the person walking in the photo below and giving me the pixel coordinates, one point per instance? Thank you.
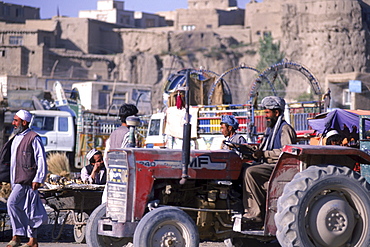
(28, 170)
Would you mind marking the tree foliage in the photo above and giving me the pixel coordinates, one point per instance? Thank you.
(270, 54)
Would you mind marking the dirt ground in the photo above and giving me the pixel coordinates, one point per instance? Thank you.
(66, 239)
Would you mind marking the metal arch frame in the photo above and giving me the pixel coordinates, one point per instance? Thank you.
(252, 130)
(295, 66)
(225, 73)
(257, 84)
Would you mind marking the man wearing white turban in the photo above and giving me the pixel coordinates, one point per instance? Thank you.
(28, 171)
(95, 171)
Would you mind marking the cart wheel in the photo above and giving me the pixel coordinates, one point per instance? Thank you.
(93, 239)
(79, 230)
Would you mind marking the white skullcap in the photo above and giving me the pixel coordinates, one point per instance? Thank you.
(91, 154)
(331, 133)
(24, 115)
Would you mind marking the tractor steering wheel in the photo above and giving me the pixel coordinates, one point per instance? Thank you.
(245, 149)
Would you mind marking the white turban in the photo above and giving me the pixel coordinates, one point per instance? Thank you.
(91, 154)
(331, 133)
(24, 115)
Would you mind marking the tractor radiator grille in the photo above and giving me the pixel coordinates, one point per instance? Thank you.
(118, 186)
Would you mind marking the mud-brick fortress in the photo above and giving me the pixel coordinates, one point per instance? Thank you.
(115, 46)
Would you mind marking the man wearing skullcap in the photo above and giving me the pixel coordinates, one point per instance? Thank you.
(229, 125)
(95, 171)
(278, 134)
(333, 138)
(28, 171)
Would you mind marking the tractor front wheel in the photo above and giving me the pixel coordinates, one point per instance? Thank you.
(168, 227)
(93, 239)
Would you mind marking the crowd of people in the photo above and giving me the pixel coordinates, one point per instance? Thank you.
(25, 156)
(23, 164)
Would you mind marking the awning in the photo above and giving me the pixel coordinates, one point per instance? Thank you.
(338, 119)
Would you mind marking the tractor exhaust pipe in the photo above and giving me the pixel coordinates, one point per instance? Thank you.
(186, 135)
(132, 122)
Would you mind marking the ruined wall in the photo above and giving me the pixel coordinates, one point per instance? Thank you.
(327, 36)
(11, 60)
(264, 17)
(214, 4)
(170, 51)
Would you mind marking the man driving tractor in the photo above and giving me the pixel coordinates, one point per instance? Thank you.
(278, 134)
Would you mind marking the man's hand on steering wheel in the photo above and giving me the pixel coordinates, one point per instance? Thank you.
(257, 154)
(245, 149)
(230, 144)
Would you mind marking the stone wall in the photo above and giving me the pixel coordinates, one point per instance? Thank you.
(170, 51)
(214, 4)
(11, 60)
(327, 36)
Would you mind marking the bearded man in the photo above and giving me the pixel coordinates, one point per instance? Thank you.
(278, 134)
(26, 155)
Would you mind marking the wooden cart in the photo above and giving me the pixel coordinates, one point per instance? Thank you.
(78, 202)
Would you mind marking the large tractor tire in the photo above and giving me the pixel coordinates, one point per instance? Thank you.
(166, 226)
(95, 240)
(324, 206)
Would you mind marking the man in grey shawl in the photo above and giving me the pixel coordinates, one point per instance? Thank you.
(278, 134)
(28, 171)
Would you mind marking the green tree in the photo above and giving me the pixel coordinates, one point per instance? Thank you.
(270, 54)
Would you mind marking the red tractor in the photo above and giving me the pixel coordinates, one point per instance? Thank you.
(162, 197)
(314, 198)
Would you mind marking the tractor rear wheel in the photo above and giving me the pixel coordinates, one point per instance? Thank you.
(324, 206)
(166, 226)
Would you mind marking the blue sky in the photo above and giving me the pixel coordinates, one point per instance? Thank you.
(48, 8)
